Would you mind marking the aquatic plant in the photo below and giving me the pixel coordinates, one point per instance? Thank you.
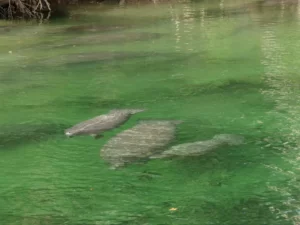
(24, 8)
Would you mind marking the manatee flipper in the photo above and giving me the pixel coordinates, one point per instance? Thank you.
(117, 166)
(174, 122)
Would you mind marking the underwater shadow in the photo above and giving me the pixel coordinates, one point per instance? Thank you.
(12, 136)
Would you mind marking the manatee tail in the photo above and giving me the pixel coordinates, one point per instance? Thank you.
(230, 139)
(176, 122)
(131, 111)
(134, 111)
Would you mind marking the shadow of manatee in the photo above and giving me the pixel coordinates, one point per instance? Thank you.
(20, 134)
(46, 219)
(88, 102)
(227, 86)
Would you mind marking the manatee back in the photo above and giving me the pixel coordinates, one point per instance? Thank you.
(138, 142)
(127, 111)
(201, 147)
(112, 119)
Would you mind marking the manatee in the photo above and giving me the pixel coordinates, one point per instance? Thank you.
(104, 39)
(201, 147)
(4, 28)
(92, 57)
(99, 124)
(95, 28)
(139, 142)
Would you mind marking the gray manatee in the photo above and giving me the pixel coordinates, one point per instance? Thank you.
(139, 142)
(201, 147)
(99, 124)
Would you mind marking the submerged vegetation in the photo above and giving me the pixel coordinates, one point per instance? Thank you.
(43, 9)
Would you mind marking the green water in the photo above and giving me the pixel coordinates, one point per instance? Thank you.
(220, 66)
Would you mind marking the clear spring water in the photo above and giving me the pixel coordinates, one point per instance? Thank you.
(220, 66)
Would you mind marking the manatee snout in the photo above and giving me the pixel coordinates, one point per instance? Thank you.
(69, 134)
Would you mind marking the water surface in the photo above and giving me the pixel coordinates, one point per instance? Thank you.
(221, 67)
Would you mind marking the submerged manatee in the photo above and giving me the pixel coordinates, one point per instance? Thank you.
(99, 124)
(105, 38)
(95, 28)
(201, 147)
(138, 142)
(93, 57)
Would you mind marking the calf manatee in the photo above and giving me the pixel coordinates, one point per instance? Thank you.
(95, 126)
(201, 147)
(139, 142)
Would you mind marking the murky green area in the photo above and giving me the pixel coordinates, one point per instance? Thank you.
(220, 66)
